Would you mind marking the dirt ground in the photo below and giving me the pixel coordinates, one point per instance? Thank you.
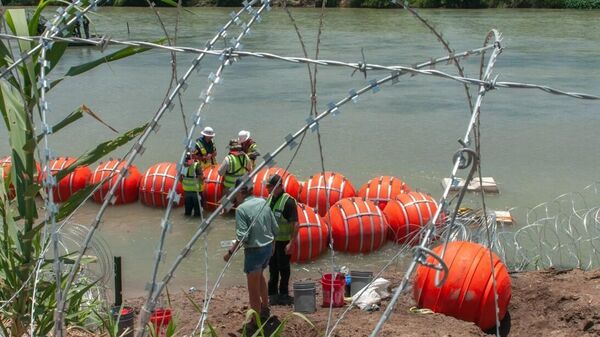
(543, 303)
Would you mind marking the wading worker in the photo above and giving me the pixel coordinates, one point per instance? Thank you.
(255, 229)
(248, 146)
(205, 148)
(286, 213)
(235, 165)
(192, 182)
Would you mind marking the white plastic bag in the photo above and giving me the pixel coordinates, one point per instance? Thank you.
(373, 294)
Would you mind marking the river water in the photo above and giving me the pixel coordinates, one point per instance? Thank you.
(535, 145)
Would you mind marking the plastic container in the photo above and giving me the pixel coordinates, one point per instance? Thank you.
(337, 284)
(304, 297)
(359, 280)
(348, 292)
(160, 318)
(126, 318)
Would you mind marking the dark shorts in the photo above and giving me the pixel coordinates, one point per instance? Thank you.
(257, 259)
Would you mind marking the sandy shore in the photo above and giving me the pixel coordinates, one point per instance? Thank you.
(544, 303)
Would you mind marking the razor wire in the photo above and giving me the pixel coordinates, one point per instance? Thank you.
(205, 96)
(62, 21)
(554, 236)
(490, 84)
(312, 123)
(139, 149)
(421, 250)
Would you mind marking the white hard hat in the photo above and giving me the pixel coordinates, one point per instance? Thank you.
(243, 136)
(208, 132)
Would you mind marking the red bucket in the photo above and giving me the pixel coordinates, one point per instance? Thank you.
(338, 290)
(159, 318)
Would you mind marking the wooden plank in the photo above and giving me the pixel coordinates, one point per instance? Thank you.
(504, 217)
(488, 184)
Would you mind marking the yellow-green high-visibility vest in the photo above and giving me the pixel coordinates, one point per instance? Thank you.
(285, 228)
(236, 169)
(190, 181)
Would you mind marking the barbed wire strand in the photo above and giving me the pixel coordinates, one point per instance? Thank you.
(442, 203)
(214, 78)
(137, 148)
(491, 84)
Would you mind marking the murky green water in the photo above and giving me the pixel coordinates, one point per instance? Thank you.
(536, 145)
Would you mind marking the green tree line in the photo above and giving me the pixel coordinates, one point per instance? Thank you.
(574, 4)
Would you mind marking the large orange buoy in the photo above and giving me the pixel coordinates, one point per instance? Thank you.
(289, 181)
(156, 184)
(315, 189)
(312, 238)
(383, 189)
(72, 182)
(408, 214)
(6, 164)
(126, 192)
(468, 292)
(357, 226)
(213, 187)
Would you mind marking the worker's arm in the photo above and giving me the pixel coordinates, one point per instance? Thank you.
(231, 250)
(290, 212)
(224, 167)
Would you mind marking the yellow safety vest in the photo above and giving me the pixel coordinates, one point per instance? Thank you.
(285, 228)
(203, 152)
(190, 181)
(236, 169)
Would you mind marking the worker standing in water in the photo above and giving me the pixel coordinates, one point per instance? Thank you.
(205, 150)
(248, 146)
(234, 166)
(192, 182)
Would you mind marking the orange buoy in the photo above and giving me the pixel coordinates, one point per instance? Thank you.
(312, 238)
(383, 189)
(156, 184)
(6, 164)
(126, 192)
(315, 190)
(289, 181)
(468, 293)
(357, 226)
(72, 182)
(213, 187)
(408, 214)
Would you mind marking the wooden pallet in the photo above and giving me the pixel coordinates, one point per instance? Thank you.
(488, 185)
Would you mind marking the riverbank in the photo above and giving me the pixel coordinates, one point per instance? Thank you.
(544, 303)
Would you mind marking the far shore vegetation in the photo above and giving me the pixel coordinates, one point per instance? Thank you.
(574, 4)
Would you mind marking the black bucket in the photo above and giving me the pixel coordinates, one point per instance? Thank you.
(126, 320)
(359, 280)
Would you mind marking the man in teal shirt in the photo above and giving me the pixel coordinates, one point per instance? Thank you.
(255, 228)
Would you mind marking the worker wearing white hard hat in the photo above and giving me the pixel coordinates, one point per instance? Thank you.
(208, 132)
(205, 151)
(234, 165)
(248, 145)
